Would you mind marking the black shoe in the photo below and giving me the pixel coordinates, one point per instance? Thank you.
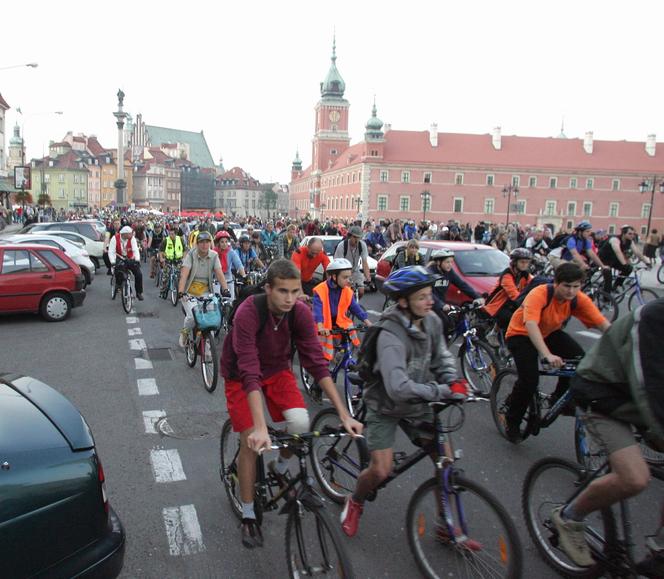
(140, 297)
(513, 432)
(651, 566)
(109, 272)
(251, 533)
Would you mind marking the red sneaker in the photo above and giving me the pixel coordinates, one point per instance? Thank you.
(350, 516)
(443, 535)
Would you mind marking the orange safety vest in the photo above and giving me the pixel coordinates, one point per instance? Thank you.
(342, 321)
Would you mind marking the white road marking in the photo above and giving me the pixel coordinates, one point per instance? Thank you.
(134, 332)
(132, 320)
(593, 335)
(137, 344)
(150, 418)
(132, 311)
(147, 387)
(167, 466)
(183, 530)
(142, 364)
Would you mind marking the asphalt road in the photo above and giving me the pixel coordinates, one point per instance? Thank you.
(166, 489)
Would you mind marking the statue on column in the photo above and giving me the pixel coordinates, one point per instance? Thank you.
(121, 96)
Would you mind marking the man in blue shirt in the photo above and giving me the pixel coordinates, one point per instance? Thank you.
(269, 235)
(375, 240)
(247, 255)
(410, 230)
(579, 247)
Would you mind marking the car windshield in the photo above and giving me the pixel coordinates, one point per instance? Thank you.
(331, 245)
(481, 263)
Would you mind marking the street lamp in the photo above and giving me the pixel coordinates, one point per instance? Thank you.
(358, 201)
(29, 64)
(643, 187)
(323, 207)
(426, 200)
(508, 191)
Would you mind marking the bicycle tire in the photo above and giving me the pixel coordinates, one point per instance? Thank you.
(501, 389)
(173, 290)
(500, 553)
(646, 295)
(209, 363)
(311, 387)
(157, 276)
(114, 288)
(538, 516)
(126, 296)
(191, 353)
(660, 273)
(479, 366)
(336, 462)
(606, 304)
(314, 544)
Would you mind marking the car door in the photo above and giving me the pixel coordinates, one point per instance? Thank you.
(24, 278)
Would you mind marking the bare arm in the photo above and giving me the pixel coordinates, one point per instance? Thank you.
(259, 437)
(220, 276)
(184, 276)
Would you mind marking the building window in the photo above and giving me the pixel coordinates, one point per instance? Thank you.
(572, 183)
(489, 181)
(553, 182)
(645, 210)
(587, 209)
(382, 203)
(61, 178)
(615, 185)
(333, 152)
(590, 182)
(427, 177)
(489, 205)
(458, 205)
(516, 180)
(532, 182)
(550, 208)
(521, 207)
(458, 179)
(426, 203)
(570, 224)
(404, 203)
(612, 229)
(62, 193)
(571, 208)
(405, 176)
(613, 209)
(384, 176)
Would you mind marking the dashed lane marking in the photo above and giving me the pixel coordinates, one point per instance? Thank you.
(150, 419)
(137, 344)
(143, 364)
(134, 332)
(132, 320)
(147, 387)
(593, 335)
(183, 530)
(167, 466)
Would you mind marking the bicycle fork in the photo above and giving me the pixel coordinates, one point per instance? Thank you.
(445, 473)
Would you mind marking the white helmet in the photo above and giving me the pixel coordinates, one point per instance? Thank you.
(441, 253)
(339, 264)
(126, 229)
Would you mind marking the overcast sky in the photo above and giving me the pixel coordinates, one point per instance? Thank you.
(248, 73)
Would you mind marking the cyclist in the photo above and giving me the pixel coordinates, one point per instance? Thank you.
(616, 251)
(230, 262)
(307, 259)
(577, 248)
(376, 240)
(171, 252)
(288, 242)
(619, 384)
(124, 244)
(536, 243)
(108, 235)
(355, 250)
(441, 267)
(199, 268)
(247, 255)
(268, 236)
(333, 300)
(259, 247)
(155, 239)
(257, 360)
(140, 234)
(410, 255)
(413, 363)
(500, 304)
(535, 331)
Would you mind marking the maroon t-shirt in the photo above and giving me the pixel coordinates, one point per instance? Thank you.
(251, 358)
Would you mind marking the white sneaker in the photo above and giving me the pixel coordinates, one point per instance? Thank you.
(184, 337)
(572, 538)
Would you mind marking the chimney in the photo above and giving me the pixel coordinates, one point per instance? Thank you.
(588, 143)
(651, 143)
(495, 138)
(387, 128)
(433, 135)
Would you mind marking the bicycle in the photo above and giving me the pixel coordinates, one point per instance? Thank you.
(155, 266)
(605, 302)
(441, 535)
(170, 288)
(200, 341)
(631, 285)
(554, 482)
(126, 286)
(313, 541)
(502, 388)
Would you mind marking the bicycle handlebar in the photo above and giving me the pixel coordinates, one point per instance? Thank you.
(281, 441)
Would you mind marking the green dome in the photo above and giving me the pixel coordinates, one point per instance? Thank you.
(374, 123)
(16, 139)
(333, 85)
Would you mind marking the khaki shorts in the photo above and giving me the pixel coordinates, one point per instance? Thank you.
(611, 435)
(380, 431)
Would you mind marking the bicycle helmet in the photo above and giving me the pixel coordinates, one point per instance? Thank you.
(221, 234)
(520, 253)
(407, 280)
(583, 226)
(441, 254)
(244, 238)
(339, 264)
(203, 236)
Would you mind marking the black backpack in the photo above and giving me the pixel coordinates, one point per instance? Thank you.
(558, 241)
(367, 353)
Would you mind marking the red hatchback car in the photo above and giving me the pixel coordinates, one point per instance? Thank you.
(479, 265)
(39, 278)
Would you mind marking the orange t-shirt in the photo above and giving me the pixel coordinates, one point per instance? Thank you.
(551, 318)
(306, 265)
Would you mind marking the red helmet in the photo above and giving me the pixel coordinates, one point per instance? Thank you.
(221, 234)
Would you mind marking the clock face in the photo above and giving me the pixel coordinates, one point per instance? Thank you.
(334, 116)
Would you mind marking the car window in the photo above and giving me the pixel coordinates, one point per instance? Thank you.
(15, 261)
(331, 245)
(89, 231)
(477, 262)
(54, 259)
(37, 264)
(44, 242)
(71, 237)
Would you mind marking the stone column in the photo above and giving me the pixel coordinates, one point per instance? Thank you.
(120, 183)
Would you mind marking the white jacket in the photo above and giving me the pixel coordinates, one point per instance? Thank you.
(112, 251)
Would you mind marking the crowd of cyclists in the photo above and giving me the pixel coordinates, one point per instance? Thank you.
(531, 304)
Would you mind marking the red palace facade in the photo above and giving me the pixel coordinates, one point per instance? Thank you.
(440, 176)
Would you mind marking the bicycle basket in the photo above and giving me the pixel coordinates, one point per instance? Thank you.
(208, 315)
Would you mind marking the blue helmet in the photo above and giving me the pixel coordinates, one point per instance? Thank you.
(583, 226)
(407, 280)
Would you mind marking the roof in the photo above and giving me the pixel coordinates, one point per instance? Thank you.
(3, 103)
(240, 175)
(199, 151)
(7, 185)
(95, 147)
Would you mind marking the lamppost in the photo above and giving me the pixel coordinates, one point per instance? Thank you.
(508, 191)
(643, 187)
(323, 207)
(426, 200)
(358, 201)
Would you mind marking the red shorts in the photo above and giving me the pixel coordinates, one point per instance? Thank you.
(280, 391)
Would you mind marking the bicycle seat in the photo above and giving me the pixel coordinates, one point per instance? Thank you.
(354, 378)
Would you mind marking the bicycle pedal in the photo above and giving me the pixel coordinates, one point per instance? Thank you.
(399, 456)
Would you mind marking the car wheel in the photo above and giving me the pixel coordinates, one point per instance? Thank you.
(56, 307)
(87, 277)
(95, 260)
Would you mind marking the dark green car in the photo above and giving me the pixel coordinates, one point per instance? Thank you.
(55, 519)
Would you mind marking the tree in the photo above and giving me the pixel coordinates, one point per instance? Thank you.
(269, 200)
(44, 199)
(24, 198)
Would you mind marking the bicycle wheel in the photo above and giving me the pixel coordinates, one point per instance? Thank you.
(639, 298)
(127, 297)
(606, 304)
(501, 390)
(114, 288)
(209, 361)
(660, 273)
(492, 548)
(157, 276)
(311, 387)
(314, 545)
(479, 366)
(549, 484)
(191, 353)
(173, 290)
(336, 462)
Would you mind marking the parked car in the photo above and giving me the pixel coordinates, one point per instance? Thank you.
(478, 265)
(94, 248)
(330, 243)
(55, 518)
(39, 278)
(78, 254)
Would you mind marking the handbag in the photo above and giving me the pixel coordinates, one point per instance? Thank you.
(208, 314)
